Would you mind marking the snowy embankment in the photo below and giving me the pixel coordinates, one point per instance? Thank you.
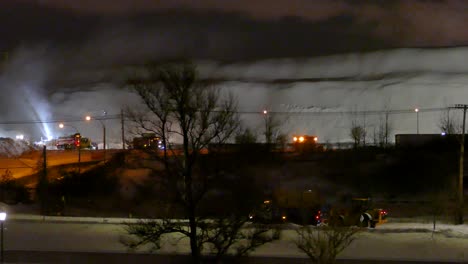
(13, 148)
(390, 241)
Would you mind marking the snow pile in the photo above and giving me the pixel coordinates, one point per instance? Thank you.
(447, 230)
(13, 148)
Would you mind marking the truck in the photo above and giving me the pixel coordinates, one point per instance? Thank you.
(73, 142)
(305, 143)
(355, 212)
(148, 141)
(293, 206)
(307, 208)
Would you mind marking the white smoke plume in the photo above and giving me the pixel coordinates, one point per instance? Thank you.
(319, 96)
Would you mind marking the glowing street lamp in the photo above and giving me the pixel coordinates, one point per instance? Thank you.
(267, 129)
(3, 216)
(417, 120)
(88, 118)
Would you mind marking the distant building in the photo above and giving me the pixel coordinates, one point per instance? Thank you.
(417, 140)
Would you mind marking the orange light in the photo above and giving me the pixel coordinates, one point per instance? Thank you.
(283, 217)
(301, 139)
(315, 139)
(294, 139)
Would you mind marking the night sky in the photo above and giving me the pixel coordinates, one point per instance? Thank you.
(231, 30)
(68, 49)
(78, 39)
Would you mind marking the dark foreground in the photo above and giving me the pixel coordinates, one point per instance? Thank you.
(17, 256)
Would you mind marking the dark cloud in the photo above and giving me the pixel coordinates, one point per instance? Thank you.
(65, 51)
(397, 22)
(84, 37)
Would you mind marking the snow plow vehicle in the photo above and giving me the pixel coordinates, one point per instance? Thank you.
(359, 213)
(305, 143)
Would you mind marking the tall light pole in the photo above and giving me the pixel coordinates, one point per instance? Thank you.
(417, 120)
(267, 132)
(460, 196)
(3, 216)
(88, 118)
(61, 125)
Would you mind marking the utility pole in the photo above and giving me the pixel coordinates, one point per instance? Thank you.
(104, 140)
(123, 128)
(43, 184)
(460, 196)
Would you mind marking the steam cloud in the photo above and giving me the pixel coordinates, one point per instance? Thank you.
(326, 90)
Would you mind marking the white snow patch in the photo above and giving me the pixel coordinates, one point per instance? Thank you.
(14, 148)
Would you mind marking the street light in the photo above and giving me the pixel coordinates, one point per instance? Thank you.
(417, 119)
(3, 216)
(267, 131)
(61, 125)
(88, 118)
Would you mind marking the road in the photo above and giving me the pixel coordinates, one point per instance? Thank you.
(28, 164)
(39, 238)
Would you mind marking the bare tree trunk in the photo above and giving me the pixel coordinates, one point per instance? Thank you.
(386, 129)
(193, 232)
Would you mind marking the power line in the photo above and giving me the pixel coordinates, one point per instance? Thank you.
(260, 112)
(359, 112)
(69, 120)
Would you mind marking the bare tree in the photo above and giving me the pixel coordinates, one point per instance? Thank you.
(184, 107)
(245, 136)
(323, 244)
(274, 137)
(449, 123)
(384, 129)
(358, 131)
(272, 125)
(234, 233)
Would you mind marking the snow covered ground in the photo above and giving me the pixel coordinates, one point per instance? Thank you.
(391, 241)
